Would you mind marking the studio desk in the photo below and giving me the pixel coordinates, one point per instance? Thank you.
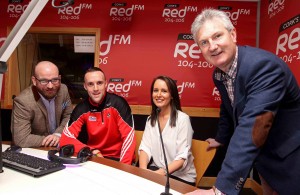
(98, 175)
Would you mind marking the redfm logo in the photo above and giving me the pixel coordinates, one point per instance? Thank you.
(15, 10)
(288, 43)
(188, 54)
(275, 7)
(216, 94)
(173, 14)
(118, 86)
(105, 45)
(185, 85)
(73, 12)
(121, 13)
(234, 15)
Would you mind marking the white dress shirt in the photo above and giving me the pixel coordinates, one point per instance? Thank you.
(177, 142)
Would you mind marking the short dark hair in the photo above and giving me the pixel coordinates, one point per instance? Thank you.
(94, 69)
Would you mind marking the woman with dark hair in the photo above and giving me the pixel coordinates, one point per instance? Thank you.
(176, 131)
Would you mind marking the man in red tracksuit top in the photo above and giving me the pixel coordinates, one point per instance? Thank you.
(104, 118)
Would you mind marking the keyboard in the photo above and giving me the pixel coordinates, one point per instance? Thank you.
(28, 164)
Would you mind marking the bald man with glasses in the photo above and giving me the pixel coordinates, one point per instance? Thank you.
(42, 110)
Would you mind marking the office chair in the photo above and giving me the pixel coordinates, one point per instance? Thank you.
(202, 158)
(138, 138)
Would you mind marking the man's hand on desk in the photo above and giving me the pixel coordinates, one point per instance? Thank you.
(51, 140)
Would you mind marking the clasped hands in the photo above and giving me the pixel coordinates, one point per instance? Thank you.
(161, 171)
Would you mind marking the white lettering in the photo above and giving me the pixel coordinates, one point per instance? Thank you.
(119, 87)
(121, 11)
(290, 40)
(215, 92)
(291, 23)
(11, 8)
(174, 13)
(108, 43)
(182, 48)
(234, 15)
(275, 5)
(69, 10)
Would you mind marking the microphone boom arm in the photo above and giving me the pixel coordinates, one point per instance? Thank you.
(167, 187)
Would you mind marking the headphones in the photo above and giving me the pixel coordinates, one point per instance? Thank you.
(65, 153)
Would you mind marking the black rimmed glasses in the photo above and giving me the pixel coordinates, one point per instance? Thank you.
(54, 81)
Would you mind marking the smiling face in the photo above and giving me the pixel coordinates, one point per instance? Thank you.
(161, 94)
(44, 73)
(95, 84)
(217, 44)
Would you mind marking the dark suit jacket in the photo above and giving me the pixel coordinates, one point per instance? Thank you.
(29, 122)
(262, 126)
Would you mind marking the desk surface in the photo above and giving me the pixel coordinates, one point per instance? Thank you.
(100, 175)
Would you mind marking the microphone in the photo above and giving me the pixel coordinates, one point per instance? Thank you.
(167, 187)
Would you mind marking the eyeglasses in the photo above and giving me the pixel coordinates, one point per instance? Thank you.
(45, 81)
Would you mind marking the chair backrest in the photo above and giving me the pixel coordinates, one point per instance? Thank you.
(202, 158)
(138, 138)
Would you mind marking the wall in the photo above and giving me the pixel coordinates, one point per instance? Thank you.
(143, 39)
(280, 31)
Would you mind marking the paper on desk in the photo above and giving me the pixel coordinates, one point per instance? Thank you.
(77, 179)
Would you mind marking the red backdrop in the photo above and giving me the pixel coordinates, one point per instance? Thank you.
(143, 39)
(280, 31)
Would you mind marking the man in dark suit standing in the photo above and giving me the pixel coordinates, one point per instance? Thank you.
(259, 112)
(42, 110)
